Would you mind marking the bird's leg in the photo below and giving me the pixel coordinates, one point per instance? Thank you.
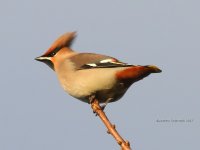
(106, 102)
(91, 99)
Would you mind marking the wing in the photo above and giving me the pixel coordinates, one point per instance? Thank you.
(91, 61)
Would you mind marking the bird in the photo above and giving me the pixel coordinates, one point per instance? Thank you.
(89, 76)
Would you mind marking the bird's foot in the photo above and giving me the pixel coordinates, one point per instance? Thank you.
(91, 99)
(105, 104)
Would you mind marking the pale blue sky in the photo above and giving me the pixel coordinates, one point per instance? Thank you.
(35, 113)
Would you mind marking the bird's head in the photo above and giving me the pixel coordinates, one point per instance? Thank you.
(59, 48)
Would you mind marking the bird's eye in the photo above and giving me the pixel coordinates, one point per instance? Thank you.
(54, 51)
(52, 54)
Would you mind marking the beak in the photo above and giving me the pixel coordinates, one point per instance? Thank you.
(41, 58)
(46, 60)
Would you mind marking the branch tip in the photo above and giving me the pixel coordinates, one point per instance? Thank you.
(111, 128)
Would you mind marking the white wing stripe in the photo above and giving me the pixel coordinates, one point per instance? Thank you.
(92, 65)
(106, 61)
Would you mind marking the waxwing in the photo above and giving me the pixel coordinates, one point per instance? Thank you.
(89, 75)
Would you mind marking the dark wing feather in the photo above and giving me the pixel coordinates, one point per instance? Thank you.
(91, 61)
(104, 65)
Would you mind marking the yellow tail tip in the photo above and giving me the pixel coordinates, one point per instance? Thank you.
(154, 69)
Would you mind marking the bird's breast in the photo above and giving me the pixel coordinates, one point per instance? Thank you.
(83, 83)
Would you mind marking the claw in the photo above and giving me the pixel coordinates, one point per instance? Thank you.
(105, 104)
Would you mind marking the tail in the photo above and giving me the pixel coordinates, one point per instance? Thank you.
(136, 73)
(153, 69)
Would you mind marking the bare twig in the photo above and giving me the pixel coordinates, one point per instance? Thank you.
(125, 145)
